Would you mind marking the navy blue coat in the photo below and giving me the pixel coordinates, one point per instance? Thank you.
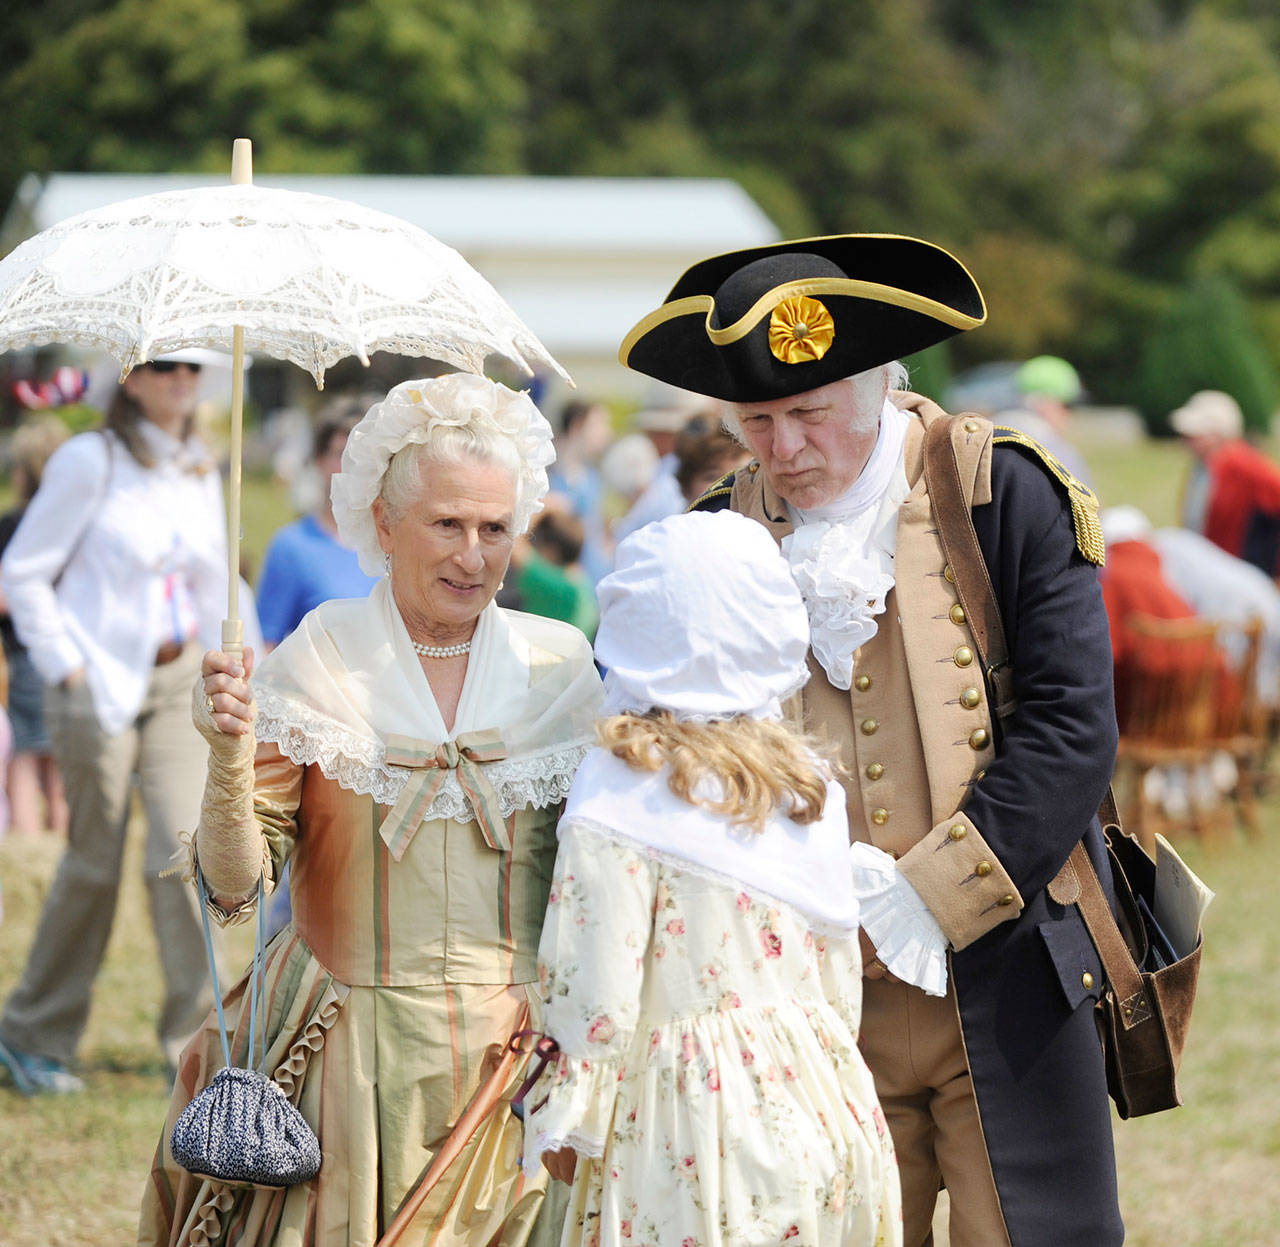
(1027, 1016)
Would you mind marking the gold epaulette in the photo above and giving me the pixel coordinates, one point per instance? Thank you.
(721, 489)
(1084, 502)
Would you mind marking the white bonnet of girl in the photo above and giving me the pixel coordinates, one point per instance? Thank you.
(410, 414)
(702, 618)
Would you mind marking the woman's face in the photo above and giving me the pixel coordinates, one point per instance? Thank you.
(450, 545)
(166, 398)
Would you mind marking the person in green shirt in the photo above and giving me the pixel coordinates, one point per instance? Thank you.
(549, 580)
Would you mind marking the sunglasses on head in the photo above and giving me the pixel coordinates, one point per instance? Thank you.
(171, 365)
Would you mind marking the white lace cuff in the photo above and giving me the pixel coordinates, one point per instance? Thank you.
(577, 1112)
(908, 939)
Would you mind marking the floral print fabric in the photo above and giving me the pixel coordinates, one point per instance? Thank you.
(708, 1074)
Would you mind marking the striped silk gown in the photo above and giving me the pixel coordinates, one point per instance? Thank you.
(389, 999)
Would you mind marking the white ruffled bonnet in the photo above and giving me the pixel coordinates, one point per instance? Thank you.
(702, 618)
(408, 415)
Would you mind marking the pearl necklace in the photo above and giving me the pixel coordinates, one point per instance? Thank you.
(441, 651)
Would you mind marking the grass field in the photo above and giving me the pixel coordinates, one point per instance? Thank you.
(1207, 1175)
(71, 1170)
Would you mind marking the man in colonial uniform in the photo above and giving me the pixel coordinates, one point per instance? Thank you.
(994, 1087)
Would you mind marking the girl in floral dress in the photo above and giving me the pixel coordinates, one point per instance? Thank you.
(699, 962)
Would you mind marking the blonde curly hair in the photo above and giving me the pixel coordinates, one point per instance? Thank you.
(761, 764)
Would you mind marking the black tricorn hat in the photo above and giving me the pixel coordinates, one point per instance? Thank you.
(770, 322)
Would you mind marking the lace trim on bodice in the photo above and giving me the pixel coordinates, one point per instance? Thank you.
(358, 763)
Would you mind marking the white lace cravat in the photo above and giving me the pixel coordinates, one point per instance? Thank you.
(841, 554)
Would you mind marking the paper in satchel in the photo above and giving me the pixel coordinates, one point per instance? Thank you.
(1180, 898)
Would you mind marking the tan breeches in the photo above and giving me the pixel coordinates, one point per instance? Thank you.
(912, 1043)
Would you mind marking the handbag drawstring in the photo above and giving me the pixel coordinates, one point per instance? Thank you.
(259, 972)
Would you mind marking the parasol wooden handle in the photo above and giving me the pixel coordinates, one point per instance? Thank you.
(485, 1100)
(233, 626)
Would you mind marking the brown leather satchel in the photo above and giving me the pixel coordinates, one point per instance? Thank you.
(1145, 1006)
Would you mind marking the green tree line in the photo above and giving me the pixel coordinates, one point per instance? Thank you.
(1108, 169)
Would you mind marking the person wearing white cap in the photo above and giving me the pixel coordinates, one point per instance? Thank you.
(118, 566)
(1233, 493)
(699, 964)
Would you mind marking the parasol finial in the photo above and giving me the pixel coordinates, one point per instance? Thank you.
(242, 162)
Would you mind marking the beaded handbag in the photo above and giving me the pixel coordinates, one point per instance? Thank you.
(241, 1130)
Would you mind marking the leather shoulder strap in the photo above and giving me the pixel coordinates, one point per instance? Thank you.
(964, 555)
(1114, 953)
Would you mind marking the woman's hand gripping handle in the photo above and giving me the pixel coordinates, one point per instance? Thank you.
(228, 841)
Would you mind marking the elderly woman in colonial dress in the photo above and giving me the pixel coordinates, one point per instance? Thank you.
(413, 751)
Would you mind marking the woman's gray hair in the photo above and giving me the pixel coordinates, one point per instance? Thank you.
(449, 445)
(452, 419)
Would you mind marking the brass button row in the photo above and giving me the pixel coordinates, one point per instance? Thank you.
(963, 656)
(1087, 979)
(874, 770)
(869, 726)
(982, 869)
(956, 614)
(978, 738)
(862, 683)
(971, 698)
(879, 816)
(957, 831)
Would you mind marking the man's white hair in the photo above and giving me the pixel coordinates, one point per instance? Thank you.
(869, 390)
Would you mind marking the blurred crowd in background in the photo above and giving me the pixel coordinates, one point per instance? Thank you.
(618, 470)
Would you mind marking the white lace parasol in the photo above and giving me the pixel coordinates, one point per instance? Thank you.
(300, 277)
(310, 279)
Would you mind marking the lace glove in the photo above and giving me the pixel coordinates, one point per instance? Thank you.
(230, 845)
(909, 942)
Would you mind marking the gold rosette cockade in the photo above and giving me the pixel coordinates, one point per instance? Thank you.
(800, 330)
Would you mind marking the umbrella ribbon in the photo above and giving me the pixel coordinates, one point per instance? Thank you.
(429, 765)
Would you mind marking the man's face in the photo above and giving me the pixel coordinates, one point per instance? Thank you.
(1203, 445)
(812, 446)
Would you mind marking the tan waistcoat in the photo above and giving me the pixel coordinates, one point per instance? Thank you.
(915, 729)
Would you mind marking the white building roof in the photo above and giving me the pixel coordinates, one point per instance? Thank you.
(580, 259)
(703, 215)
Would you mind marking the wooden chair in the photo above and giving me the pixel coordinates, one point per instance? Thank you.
(1167, 696)
(1243, 729)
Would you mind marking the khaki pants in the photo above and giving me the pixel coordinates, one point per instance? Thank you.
(47, 1012)
(912, 1043)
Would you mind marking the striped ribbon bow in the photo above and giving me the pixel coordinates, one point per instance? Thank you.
(430, 764)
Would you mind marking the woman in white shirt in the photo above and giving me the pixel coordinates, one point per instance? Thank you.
(116, 581)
